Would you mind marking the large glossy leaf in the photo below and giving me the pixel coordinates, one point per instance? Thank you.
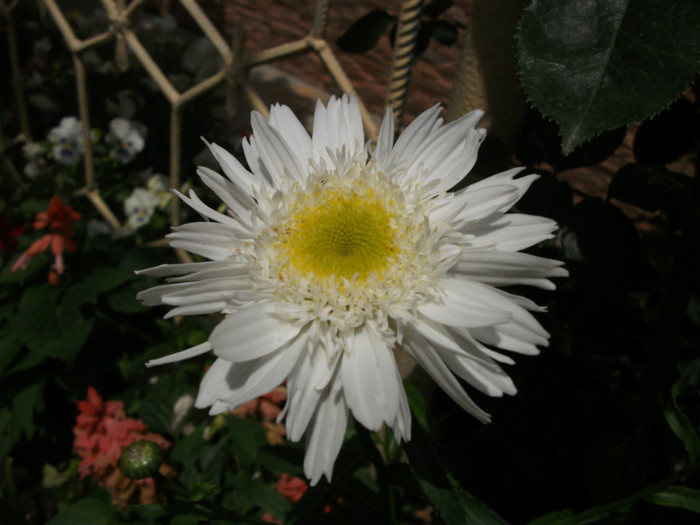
(593, 66)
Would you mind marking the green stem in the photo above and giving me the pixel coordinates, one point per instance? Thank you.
(385, 492)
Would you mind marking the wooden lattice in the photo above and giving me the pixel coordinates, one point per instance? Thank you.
(234, 73)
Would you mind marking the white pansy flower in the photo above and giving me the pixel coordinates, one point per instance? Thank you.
(127, 139)
(334, 254)
(67, 139)
(159, 185)
(139, 207)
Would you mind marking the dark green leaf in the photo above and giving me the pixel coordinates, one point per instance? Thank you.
(364, 33)
(593, 66)
(282, 459)
(156, 409)
(124, 299)
(48, 328)
(679, 422)
(455, 505)
(680, 497)
(246, 438)
(437, 7)
(25, 403)
(88, 510)
(264, 497)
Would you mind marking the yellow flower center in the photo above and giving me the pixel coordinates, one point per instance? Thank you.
(341, 234)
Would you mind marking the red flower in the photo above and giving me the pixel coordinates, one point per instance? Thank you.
(59, 219)
(292, 488)
(102, 432)
(8, 231)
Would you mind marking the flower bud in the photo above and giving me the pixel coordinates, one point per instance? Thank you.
(141, 459)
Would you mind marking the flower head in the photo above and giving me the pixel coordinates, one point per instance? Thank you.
(127, 139)
(67, 139)
(334, 254)
(102, 432)
(139, 207)
(59, 218)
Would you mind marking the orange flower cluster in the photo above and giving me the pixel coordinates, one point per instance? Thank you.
(293, 489)
(267, 408)
(102, 432)
(59, 219)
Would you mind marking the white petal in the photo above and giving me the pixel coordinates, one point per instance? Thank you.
(279, 159)
(508, 268)
(371, 380)
(507, 177)
(458, 308)
(509, 232)
(427, 357)
(385, 140)
(251, 332)
(473, 205)
(326, 433)
(250, 379)
(237, 201)
(283, 120)
(179, 356)
(304, 388)
(234, 170)
(413, 136)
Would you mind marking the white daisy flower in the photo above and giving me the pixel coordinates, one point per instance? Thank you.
(67, 139)
(334, 254)
(127, 138)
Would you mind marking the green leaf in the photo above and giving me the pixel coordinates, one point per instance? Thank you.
(88, 510)
(455, 505)
(680, 497)
(263, 496)
(51, 328)
(560, 517)
(364, 33)
(156, 409)
(592, 66)
(679, 422)
(280, 459)
(246, 439)
(28, 401)
(124, 299)
(443, 31)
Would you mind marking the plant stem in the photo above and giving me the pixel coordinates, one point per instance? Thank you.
(385, 492)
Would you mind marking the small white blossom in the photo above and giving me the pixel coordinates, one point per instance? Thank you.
(126, 138)
(33, 153)
(139, 207)
(67, 139)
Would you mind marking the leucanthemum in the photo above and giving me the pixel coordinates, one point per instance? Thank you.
(335, 253)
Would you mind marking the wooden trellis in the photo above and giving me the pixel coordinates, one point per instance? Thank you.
(234, 73)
